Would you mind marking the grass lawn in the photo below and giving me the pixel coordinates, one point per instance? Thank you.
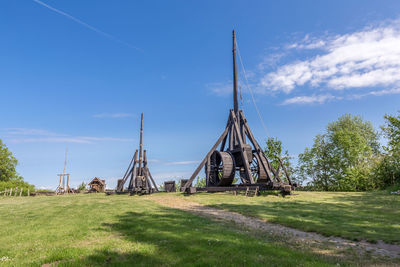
(368, 216)
(93, 230)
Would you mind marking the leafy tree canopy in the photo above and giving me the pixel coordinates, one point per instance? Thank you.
(389, 168)
(275, 153)
(8, 164)
(392, 131)
(340, 159)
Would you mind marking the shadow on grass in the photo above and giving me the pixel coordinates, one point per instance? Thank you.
(164, 236)
(368, 217)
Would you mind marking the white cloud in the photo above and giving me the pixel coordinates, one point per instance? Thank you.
(26, 135)
(27, 131)
(368, 58)
(376, 93)
(270, 60)
(221, 89)
(113, 115)
(318, 99)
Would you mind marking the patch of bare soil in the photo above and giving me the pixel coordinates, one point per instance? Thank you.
(334, 244)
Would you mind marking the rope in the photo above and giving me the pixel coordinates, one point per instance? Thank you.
(251, 92)
(252, 97)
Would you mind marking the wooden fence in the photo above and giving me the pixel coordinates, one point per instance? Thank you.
(9, 192)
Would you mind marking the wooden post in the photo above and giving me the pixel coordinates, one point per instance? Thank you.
(235, 91)
(133, 173)
(286, 172)
(64, 182)
(28, 193)
(208, 170)
(141, 147)
(67, 188)
(120, 187)
(243, 153)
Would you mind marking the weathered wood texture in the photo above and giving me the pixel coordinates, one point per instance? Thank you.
(237, 132)
(141, 181)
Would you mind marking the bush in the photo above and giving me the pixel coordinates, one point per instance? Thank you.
(200, 182)
(82, 186)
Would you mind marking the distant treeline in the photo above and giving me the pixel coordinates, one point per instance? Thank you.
(347, 156)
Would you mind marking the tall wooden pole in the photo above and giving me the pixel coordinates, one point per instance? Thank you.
(65, 162)
(141, 146)
(235, 89)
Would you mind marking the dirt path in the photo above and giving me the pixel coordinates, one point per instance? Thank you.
(286, 233)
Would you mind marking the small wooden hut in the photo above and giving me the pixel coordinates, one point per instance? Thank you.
(97, 185)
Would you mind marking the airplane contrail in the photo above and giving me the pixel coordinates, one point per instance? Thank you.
(86, 25)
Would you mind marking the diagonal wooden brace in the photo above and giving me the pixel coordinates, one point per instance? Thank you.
(206, 157)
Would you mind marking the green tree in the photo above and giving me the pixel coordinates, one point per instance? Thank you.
(8, 164)
(389, 168)
(274, 152)
(343, 158)
(82, 186)
(9, 177)
(391, 130)
(315, 165)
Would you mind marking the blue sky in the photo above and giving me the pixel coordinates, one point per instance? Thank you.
(78, 74)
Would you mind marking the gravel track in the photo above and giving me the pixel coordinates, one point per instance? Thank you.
(380, 248)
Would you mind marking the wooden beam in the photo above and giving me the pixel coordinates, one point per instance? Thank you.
(133, 173)
(242, 152)
(208, 171)
(126, 175)
(286, 172)
(205, 158)
(231, 138)
(224, 140)
(256, 145)
(151, 177)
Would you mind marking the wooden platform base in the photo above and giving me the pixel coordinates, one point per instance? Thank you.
(284, 188)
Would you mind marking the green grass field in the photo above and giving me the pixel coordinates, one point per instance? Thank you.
(370, 216)
(94, 229)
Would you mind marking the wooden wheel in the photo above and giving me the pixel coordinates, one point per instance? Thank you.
(222, 169)
(257, 171)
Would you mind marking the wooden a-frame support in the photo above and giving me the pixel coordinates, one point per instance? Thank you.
(232, 129)
(237, 129)
(141, 180)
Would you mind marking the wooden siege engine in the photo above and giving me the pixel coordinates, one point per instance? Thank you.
(141, 181)
(239, 155)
